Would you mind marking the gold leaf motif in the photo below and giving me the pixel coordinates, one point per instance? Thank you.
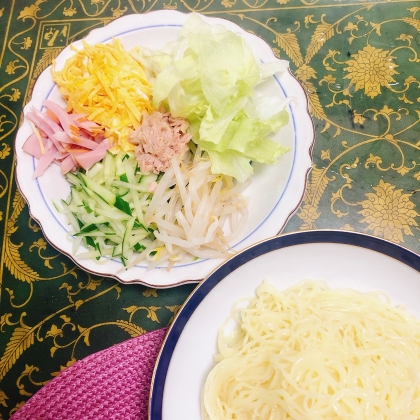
(338, 130)
(327, 126)
(309, 19)
(18, 205)
(81, 329)
(53, 350)
(350, 27)
(317, 185)
(404, 37)
(12, 66)
(151, 313)
(358, 118)
(118, 12)
(65, 318)
(86, 338)
(417, 176)
(130, 309)
(412, 22)
(150, 292)
(325, 154)
(315, 189)
(414, 10)
(28, 11)
(54, 331)
(403, 170)
(174, 309)
(12, 259)
(386, 110)
(314, 103)
(18, 268)
(5, 152)
(372, 159)
(404, 98)
(3, 398)
(45, 60)
(5, 320)
(22, 338)
(78, 303)
(323, 32)
(289, 43)
(132, 329)
(69, 11)
(93, 284)
(377, 27)
(15, 96)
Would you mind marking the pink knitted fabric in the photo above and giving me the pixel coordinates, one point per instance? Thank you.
(111, 384)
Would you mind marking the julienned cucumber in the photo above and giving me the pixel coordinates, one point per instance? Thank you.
(106, 207)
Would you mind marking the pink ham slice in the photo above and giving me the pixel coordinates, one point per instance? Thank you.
(32, 147)
(69, 140)
(88, 159)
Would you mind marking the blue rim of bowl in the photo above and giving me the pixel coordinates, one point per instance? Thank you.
(382, 246)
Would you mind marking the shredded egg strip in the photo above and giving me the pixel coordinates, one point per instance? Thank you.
(107, 83)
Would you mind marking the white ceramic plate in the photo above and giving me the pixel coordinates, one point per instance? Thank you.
(275, 191)
(343, 259)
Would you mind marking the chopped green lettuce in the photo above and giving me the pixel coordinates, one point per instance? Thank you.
(208, 76)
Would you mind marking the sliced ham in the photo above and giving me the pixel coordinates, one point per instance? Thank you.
(68, 164)
(46, 159)
(88, 159)
(65, 138)
(32, 146)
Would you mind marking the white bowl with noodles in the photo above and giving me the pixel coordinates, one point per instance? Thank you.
(275, 191)
(345, 260)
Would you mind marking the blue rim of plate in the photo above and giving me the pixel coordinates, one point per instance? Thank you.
(382, 246)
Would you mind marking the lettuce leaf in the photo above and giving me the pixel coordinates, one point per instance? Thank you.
(208, 76)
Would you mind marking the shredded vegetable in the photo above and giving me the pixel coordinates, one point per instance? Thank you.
(116, 211)
(208, 76)
(107, 83)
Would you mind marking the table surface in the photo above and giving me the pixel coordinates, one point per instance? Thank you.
(357, 60)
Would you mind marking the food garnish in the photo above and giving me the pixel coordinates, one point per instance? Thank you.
(105, 82)
(116, 210)
(70, 140)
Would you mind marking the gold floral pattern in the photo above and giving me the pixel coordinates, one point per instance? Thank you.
(367, 136)
(228, 3)
(305, 73)
(370, 69)
(389, 212)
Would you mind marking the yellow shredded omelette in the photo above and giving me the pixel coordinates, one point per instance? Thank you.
(105, 82)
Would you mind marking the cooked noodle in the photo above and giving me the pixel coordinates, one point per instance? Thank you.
(315, 353)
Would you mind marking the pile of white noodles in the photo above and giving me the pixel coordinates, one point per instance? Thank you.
(196, 213)
(314, 353)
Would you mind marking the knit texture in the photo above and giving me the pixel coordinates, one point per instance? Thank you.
(111, 384)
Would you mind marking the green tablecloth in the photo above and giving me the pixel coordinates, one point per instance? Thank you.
(357, 60)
